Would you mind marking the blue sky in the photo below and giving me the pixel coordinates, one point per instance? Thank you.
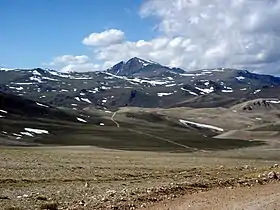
(88, 35)
(36, 31)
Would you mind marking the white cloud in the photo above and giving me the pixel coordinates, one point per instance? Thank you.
(160, 49)
(229, 33)
(80, 67)
(105, 38)
(79, 63)
(70, 59)
(197, 34)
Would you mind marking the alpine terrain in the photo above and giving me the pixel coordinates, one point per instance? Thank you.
(133, 135)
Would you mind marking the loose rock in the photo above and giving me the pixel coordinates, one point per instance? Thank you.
(272, 175)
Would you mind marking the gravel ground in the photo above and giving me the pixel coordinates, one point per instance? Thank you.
(92, 178)
(265, 197)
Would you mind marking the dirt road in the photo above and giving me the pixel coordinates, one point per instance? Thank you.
(261, 197)
(153, 136)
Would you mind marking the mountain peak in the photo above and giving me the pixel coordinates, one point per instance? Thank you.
(4, 69)
(139, 61)
(131, 66)
(134, 59)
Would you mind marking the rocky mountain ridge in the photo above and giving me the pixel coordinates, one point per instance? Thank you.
(139, 83)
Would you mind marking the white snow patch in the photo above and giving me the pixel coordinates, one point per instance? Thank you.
(144, 63)
(35, 79)
(170, 85)
(243, 89)
(218, 70)
(63, 90)
(81, 120)
(82, 94)
(228, 88)
(27, 134)
(273, 101)
(95, 90)
(23, 83)
(227, 91)
(65, 75)
(108, 77)
(36, 73)
(16, 88)
(256, 91)
(164, 94)
(86, 100)
(206, 72)
(3, 111)
(152, 62)
(92, 91)
(5, 69)
(190, 75)
(105, 88)
(1, 116)
(37, 131)
(77, 99)
(240, 78)
(50, 79)
(206, 90)
(55, 73)
(185, 122)
(101, 124)
(42, 105)
(74, 104)
(190, 92)
(80, 78)
(134, 81)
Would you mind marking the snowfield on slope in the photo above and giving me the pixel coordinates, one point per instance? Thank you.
(81, 120)
(164, 94)
(270, 101)
(185, 122)
(3, 111)
(39, 104)
(37, 131)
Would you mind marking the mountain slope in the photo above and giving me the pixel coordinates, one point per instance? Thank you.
(139, 67)
(25, 122)
(139, 83)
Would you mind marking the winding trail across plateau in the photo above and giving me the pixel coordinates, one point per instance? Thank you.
(260, 197)
(153, 136)
(112, 118)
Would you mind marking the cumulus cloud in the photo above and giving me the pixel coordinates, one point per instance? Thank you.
(70, 59)
(196, 34)
(229, 33)
(105, 38)
(86, 67)
(79, 63)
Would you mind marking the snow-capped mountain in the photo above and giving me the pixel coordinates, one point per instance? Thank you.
(139, 67)
(139, 83)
